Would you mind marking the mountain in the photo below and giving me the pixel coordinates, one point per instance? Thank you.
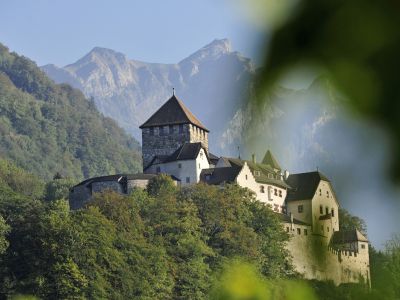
(47, 128)
(212, 82)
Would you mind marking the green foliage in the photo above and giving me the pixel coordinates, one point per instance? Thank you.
(161, 184)
(58, 188)
(242, 281)
(349, 222)
(47, 128)
(4, 229)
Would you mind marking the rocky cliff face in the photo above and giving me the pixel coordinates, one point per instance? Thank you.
(212, 82)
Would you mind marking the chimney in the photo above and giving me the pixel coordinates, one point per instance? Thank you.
(253, 158)
(286, 174)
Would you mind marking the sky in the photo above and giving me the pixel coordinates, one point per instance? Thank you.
(61, 32)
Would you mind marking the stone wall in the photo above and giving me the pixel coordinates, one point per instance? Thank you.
(164, 140)
(78, 196)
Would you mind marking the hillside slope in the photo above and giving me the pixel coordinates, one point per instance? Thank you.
(47, 128)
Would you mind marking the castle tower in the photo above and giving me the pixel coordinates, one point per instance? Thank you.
(171, 126)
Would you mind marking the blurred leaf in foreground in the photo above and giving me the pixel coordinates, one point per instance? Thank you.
(242, 281)
(356, 42)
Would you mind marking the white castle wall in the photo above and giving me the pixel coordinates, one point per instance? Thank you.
(315, 259)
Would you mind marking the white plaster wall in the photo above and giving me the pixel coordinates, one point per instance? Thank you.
(184, 168)
(314, 259)
(306, 215)
(275, 202)
(327, 199)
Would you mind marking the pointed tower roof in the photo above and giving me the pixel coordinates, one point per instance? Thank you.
(172, 112)
(269, 159)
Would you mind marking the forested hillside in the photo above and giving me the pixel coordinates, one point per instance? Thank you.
(47, 128)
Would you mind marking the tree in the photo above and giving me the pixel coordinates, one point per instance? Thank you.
(4, 229)
(350, 222)
(58, 188)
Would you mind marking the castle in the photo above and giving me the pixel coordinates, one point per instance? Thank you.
(175, 142)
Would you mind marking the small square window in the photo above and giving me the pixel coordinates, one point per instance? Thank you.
(362, 246)
(300, 208)
(187, 179)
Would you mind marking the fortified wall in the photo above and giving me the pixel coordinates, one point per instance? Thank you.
(315, 257)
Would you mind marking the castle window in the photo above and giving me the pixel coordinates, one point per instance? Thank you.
(298, 231)
(180, 128)
(300, 208)
(187, 179)
(275, 192)
(245, 176)
(280, 193)
(305, 231)
(326, 210)
(151, 130)
(180, 166)
(320, 192)
(362, 246)
(332, 212)
(321, 209)
(262, 189)
(171, 129)
(327, 194)
(161, 130)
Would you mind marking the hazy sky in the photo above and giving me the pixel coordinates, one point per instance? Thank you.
(61, 32)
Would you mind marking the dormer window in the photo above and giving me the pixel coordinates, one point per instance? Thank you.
(257, 173)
